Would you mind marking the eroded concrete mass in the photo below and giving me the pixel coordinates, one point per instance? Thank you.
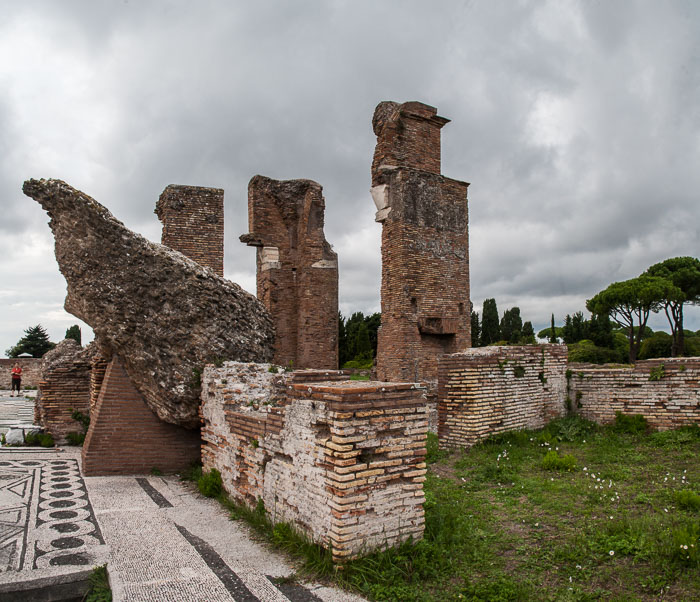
(160, 311)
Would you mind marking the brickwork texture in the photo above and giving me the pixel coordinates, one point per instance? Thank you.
(193, 223)
(665, 391)
(489, 390)
(343, 461)
(297, 270)
(425, 250)
(125, 437)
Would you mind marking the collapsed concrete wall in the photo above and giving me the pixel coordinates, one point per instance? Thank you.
(665, 391)
(193, 223)
(425, 252)
(64, 387)
(343, 461)
(161, 312)
(297, 270)
(489, 390)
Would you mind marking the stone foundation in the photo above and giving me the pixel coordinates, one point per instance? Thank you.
(125, 437)
(489, 390)
(670, 402)
(342, 461)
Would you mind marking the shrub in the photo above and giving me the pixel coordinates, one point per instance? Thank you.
(46, 440)
(553, 461)
(209, 484)
(356, 364)
(657, 345)
(31, 439)
(587, 352)
(632, 424)
(657, 372)
(687, 499)
(75, 438)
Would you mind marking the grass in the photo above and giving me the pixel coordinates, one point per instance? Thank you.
(99, 586)
(614, 517)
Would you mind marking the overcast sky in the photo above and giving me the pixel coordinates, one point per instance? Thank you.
(576, 123)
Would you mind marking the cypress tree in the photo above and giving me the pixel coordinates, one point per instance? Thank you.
(490, 329)
(74, 333)
(553, 333)
(476, 329)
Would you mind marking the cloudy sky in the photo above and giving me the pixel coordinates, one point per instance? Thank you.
(577, 124)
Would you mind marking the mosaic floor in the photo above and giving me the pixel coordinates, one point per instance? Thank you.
(46, 519)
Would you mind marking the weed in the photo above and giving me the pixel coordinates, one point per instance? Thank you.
(196, 379)
(569, 374)
(99, 590)
(685, 544)
(553, 461)
(434, 453)
(254, 443)
(74, 438)
(39, 439)
(542, 377)
(273, 369)
(519, 371)
(224, 381)
(632, 424)
(156, 472)
(682, 368)
(83, 419)
(687, 499)
(209, 484)
(657, 372)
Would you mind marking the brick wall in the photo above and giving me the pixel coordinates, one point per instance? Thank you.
(343, 461)
(126, 437)
(425, 250)
(490, 390)
(297, 271)
(64, 389)
(670, 402)
(31, 371)
(193, 223)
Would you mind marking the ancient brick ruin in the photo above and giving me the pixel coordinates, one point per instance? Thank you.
(343, 461)
(64, 387)
(425, 255)
(297, 270)
(664, 391)
(193, 223)
(491, 390)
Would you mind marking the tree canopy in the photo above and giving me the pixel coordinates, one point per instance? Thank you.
(683, 273)
(490, 327)
(35, 342)
(628, 303)
(74, 333)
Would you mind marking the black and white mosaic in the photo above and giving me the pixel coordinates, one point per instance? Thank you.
(46, 519)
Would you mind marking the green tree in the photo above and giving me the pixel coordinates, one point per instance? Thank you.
(490, 329)
(629, 303)
(600, 331)
(528, 334)
(684, 273)
(74, 333)
(475, 329)
(342, 341)
(35, 342)
(363, 346)
(511, 325)
(553, 332)
(373, 323)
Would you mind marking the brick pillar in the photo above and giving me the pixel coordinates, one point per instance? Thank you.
(126, 437)
(425, 251)
(193, 223)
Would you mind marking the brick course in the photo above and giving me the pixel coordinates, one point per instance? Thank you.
(125, 437)
(343, 461)
(670, 402)
(491, 390)
(193, 223)
(425, 250)
(297, 270)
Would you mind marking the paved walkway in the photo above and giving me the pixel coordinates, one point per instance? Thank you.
(161, 540)
(16, 409)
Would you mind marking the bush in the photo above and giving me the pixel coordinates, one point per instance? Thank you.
(587, 352)
(210, 484)
(553, 461)
(359, 364)
(46, 440)
(75, 438)
(687, 499)
(657, 345)
(31, 439)
(631, 424)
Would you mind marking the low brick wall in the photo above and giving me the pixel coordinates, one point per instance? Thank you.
(488, 390)
(343, 461)
(669, 402)
(31, 371)
(125, 437)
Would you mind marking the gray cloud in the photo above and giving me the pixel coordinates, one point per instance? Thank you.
(575, 122)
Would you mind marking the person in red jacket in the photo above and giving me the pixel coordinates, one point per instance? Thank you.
(16, 379)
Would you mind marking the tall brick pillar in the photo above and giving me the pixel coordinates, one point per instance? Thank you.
(297, 270)
(193, 223)
(425, 252)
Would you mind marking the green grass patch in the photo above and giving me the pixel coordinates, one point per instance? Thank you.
(99, 590)
(209, 484)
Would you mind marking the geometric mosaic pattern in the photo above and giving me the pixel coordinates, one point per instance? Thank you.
(46, 519)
